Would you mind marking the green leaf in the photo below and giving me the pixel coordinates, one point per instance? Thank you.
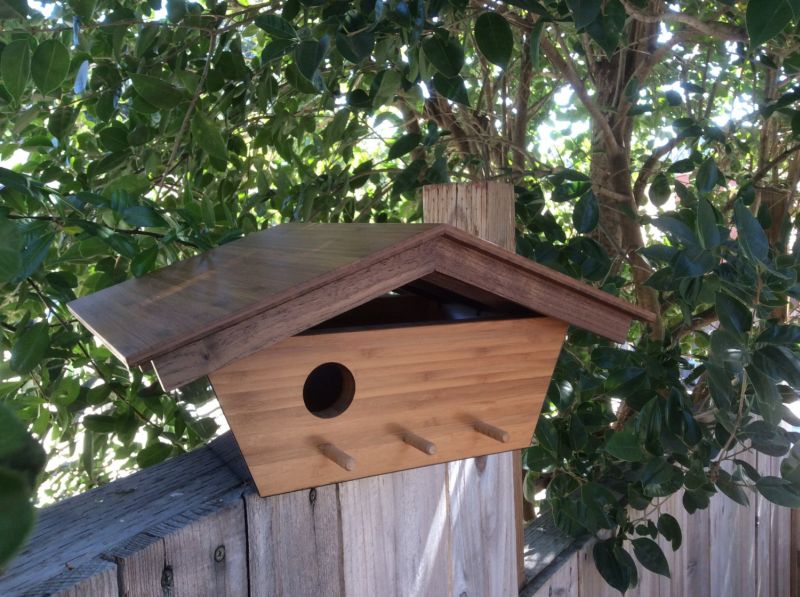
(668, 526)
(15, 67)
(13, 9)
(206, 134)
(675, 229)
(10, 250)
(494, 38)
(275, 26)
(29, 348)
(779, 363)
(650, 556)
(780, 334)
(390, 81)
(673, 98)
(308, 55)
(681, 166)
(660, 478)
(751, 236)
(727, 349)
(529, 489)
(660, 190)
(16, 512)
(586, 213)
(779, 491)
(144, 262)
(707, 176)
(625, 445)
(355, 47)
(101, 423)
(153, 454)
(83, 8)
(452, 88)
(142, 216)
(607, 30)
(276, 49)
(735, 492)
(766, 18)
(733, 315)
(157, 91)
(408, 179)
(404, 144)
(445, 54)
(61, 121)
(613, 569)
(12, 433)
(707, 229)
(584, 12)
(50, 65)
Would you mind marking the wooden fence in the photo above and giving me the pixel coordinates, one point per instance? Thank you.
(728, 550)
(193, 526)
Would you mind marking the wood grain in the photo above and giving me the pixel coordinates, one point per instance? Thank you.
(483, 525)
(198, 315)
(76, 531)
(435, 381)
(96, 578)
(733, 569)
(178, 304)
(295, 545)
(202, 552)
(72, 550)
(483, 210)
(396, 534)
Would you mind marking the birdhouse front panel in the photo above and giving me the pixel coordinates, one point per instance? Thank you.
(328, 407)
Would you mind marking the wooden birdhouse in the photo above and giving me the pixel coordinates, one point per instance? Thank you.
(340, 351)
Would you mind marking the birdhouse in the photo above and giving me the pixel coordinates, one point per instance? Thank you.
(340, 351)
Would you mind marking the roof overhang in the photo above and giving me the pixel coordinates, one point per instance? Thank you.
(198, 315)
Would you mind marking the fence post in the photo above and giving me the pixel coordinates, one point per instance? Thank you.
(493, 535)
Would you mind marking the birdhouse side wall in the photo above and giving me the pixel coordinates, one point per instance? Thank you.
(410, 397)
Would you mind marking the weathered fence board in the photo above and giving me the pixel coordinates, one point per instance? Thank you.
(482, 525)
(395, 533)
(291, 532)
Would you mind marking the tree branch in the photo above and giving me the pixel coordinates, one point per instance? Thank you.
(766, 168)
(649, 165)
(716, 29)
(567, 70)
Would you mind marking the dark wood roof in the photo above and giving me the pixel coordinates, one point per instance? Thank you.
(197, 315)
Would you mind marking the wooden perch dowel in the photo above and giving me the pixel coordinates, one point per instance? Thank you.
(420, 443)
(488, 430)
(338, 456)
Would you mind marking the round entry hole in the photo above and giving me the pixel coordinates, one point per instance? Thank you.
(329, 390)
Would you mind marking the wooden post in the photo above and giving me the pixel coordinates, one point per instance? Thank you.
(485, 209)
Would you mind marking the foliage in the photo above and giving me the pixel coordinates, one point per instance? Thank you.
(652, 148)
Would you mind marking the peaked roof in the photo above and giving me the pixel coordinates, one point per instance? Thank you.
(195, 316)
